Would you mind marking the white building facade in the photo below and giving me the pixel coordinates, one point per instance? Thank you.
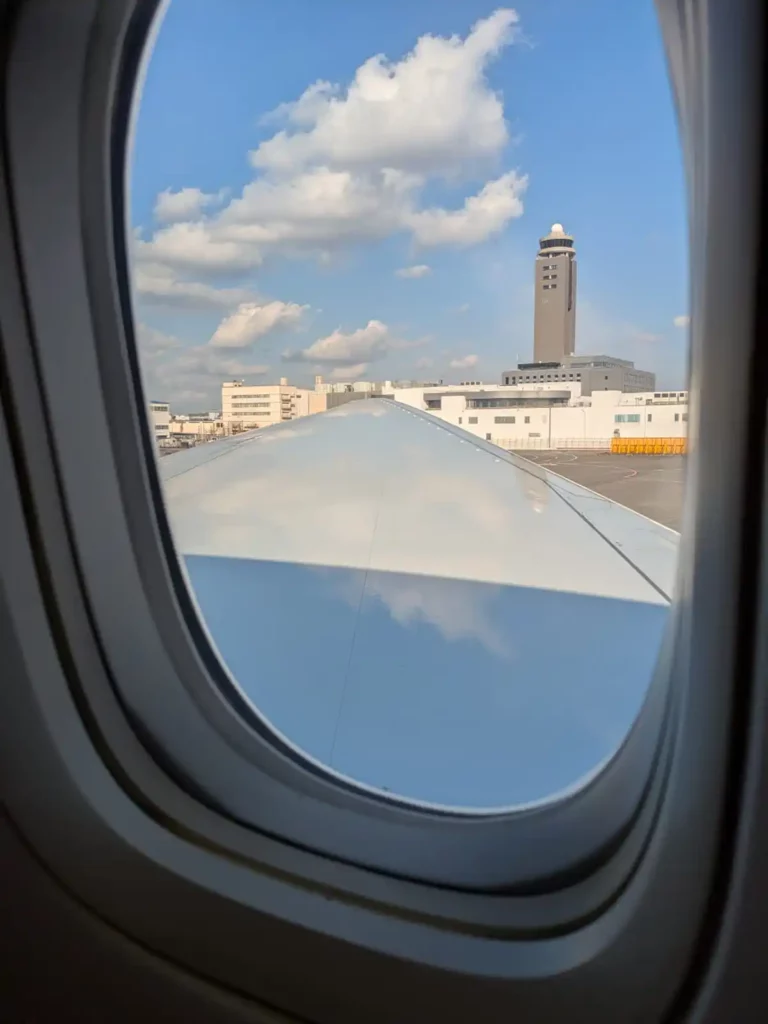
(160, 419)
(553, 415)
(244, 406)
(198, 425)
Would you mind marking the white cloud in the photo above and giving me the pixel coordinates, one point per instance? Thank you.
(187, 375)
(206, 361)
(252, 320)
(424, 363)
(352, 162)
(159, 286)
(464, 363)
(361, 346)
(481, 216)
(317, 208)
(428, 114)
(349, 372)
(420, 270)
(195, 246)
(681, 321)
(186, 204)
(447, 605)
(152, 342)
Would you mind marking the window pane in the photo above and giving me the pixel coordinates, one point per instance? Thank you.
(338, 241)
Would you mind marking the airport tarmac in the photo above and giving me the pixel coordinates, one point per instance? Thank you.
(650, 484)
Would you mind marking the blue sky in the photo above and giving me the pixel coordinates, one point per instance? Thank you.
(556, 112)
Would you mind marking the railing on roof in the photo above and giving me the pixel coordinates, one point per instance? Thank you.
(545, 444)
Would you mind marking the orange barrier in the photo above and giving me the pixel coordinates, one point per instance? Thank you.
(649, 445)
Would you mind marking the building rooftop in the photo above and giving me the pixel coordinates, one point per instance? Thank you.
(533, 395)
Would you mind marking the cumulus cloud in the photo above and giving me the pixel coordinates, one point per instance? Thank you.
(158, 286)
(203, 360)
(464, 362)
(427, 114)
(481, 216)
(348, 349)
(252, 320)
(316, 209)
(349, 372)
(186, 204)
(351, 163)
(420, 270)
(187, 375)
(195, 246)
(446, 605)
(152, 342)
(681, 321)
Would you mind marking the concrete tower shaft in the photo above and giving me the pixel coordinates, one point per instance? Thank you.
(554, 323)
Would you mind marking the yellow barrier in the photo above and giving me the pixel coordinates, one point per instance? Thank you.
(649, 445)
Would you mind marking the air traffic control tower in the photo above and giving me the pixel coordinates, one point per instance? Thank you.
(554, 321)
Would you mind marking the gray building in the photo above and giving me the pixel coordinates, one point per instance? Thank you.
(554, 318)
(594, 373)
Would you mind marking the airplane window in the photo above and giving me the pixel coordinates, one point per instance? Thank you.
(338, 216)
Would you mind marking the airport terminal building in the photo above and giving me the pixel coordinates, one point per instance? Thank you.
(552, 415)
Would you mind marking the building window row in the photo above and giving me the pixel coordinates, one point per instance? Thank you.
(547, 287)
(507, 403)
(532, 378)
(626, 418)
(503, 419)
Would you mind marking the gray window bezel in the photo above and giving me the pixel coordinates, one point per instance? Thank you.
(560, 936)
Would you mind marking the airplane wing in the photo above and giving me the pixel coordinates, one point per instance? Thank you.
(419, 610)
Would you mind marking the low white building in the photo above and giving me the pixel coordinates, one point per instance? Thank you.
(552, 415)
(160, 419)
(244, 406)
(197, 424)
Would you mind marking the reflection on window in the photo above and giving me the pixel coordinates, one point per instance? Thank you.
(331, 271)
